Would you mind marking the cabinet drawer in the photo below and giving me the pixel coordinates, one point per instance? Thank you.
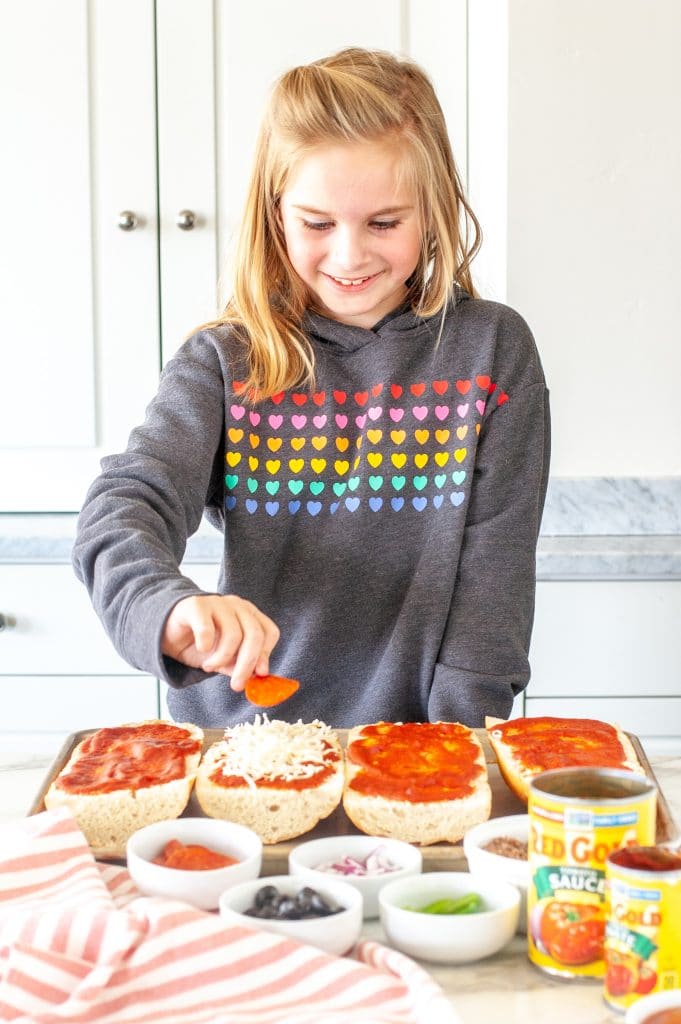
(55, 630)
(656, 721)
(606, 639)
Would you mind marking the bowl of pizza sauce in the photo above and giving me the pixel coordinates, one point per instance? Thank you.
(193, 859)
(657, 1008)
(497, 849)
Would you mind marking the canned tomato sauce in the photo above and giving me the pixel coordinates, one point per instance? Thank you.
(643, 930)
(578, 817)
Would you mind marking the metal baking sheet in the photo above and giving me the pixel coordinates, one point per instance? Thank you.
(438, 857)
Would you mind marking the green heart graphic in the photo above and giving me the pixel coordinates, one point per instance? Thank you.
(420, 482)
(375, 482)
(353, 483)
(231, 480)
(252, 485)
(295, 486)
(339, 489)
(398, 482)
(317, 486)
(459, 476)
(272, 486)
(440, 480)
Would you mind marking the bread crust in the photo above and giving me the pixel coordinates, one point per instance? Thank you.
(518, 776)
(275, 814)
(107, 820)
(422, 823)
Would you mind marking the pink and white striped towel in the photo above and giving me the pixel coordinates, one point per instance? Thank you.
(79, 944)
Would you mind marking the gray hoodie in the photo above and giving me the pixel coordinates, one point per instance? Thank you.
(386, 521)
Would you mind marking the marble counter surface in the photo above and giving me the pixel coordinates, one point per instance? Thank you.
(504, 988)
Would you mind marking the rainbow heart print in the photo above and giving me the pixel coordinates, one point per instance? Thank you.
(387, 448)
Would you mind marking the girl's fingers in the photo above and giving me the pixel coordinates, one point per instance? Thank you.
(245, 640)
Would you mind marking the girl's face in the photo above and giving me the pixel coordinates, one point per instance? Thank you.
(351, 230)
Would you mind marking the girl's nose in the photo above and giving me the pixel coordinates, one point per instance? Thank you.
(348, 249)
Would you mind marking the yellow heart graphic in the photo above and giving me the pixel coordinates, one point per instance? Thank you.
(273, 465)
(233, 458)
(461, 432)
(477, 428)
(398, 459)
(460, 454)
(442, 458)
(235, 435)
(254, 439)
(297, 443)
(341, 466)
(253, 463)
(358, 442)
(420, 460)
(342, 444)
(319, 443)
(442, 436)
(318, 465)
(274, 443)
(356, 462)
(397, 436)
(295, 465)
(374, 459)
(374, 435)
(422, 436)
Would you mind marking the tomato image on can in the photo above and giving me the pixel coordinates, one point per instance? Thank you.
(578, 817)
(643, 930)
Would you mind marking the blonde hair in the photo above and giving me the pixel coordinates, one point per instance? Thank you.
(353, 96)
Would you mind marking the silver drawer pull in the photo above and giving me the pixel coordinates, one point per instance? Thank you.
(186, 219)
(127, 220)
(7, 622)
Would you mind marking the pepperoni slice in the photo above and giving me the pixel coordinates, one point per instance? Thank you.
(266, 691)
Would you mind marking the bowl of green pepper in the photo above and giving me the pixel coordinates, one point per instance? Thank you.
(449, 917)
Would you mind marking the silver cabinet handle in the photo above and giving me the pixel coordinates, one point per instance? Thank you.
(185, 220)
(127, 220)
(7, 622)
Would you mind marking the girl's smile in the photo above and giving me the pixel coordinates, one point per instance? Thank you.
(351, 229)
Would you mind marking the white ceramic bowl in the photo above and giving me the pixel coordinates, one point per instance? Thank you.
(335, 934)
(448, 938)
(200, 888)
(304, 859)
(640, 1011)
(492, 865)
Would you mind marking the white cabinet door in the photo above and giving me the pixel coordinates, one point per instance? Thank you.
(79, 320)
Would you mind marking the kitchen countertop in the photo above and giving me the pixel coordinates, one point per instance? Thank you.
(504, 988)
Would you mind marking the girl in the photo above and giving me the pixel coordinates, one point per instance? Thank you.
(369, 435)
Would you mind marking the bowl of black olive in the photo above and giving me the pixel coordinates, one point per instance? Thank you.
(328, 916)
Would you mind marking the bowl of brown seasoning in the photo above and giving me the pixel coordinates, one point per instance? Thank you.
(498, 849)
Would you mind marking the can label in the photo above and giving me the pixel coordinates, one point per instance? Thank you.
(642, 935)
(573, 829)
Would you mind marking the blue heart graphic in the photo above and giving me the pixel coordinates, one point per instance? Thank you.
(419, 503)
(375, 503)
(456, 497)
(251, 505)
(351, 504)
(272, 507)
(333, 506)
(314, 507)
(437, 500)
(293, 507)
(230, 502)
(397, 503)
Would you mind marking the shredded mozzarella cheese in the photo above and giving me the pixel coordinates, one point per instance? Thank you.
(267, 749)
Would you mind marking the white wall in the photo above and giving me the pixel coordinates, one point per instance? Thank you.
(594, 224)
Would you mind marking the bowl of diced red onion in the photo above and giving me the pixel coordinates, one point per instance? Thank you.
(366, 862)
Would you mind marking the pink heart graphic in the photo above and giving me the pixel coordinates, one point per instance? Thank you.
(254, 417)
(341, 420)
(375, 411)
(396, 415)
(319, 421)
(237, 411)
(299, 421)
(275, 420)
(442, 411)
(361, 421)
(480, 406)
(462, 410)
(420, 411)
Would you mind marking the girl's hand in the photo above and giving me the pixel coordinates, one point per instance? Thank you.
(225, 635)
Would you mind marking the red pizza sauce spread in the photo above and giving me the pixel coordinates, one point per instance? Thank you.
(192, 857)
(541, 744)
(417, 761)
(647, 858)
(129, 757)
(323, 772)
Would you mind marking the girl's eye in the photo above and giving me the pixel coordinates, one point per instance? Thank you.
(384, 225)
(317, 225)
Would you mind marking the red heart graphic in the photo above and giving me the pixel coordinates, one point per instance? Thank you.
(396, 390)
(492, 387)
(483, 381)
(440, 386)
(299, 399)
(279, 397)
(319, 397)
(376, 390)
(237, 386)
(463, 386)
(417, 389)
(361, 397)
(339, 396)
(502, 397)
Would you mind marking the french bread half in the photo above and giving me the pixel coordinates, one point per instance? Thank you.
(519, 760)
(420, 821)
(277, 778)
(114, 758)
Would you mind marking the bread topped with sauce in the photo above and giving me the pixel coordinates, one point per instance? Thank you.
(422, 782)
(527, 746)
(120, 779)
(277, 778)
